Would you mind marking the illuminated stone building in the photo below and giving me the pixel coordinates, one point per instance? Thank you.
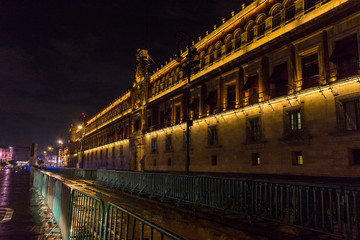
(277, 92)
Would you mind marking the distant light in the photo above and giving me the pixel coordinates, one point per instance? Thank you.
(60, 142)
(79, 127)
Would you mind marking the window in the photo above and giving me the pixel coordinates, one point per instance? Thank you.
(113, 153)
(346, 57)
(290, 11)
(153, 145)
(348, 114)
(154, 162)
(355, 156)
(276, 18)
(255, 159)
(121, 150)
(168, 146)
(149, 122)
(253, 130)
(137, 125)
(310, 70)
(106, 154)
(261, 28)
(101, 154)
(169, 162)
(194, 107)
(212, 136)
(213, 160)
(250, 32)
(293, 123)
(231, 96)
(177, 114)
(211, 101)
(162, 117)
(279, 80)
(251, 88)
(309, 4)
(298, 158)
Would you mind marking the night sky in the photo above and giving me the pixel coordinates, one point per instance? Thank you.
(61, 58)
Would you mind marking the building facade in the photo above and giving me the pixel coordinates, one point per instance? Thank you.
(6, 153)
(277, 91)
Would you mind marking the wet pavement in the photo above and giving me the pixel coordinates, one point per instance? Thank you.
(18, 210)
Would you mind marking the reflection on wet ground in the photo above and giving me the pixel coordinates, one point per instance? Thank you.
(16, 197)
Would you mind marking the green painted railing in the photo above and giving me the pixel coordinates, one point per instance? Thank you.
(328, 209)
(122, 224)
(86, 216)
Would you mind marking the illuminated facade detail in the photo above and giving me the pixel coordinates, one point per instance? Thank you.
(278, 92)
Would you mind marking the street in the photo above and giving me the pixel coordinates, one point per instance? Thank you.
(18, 210)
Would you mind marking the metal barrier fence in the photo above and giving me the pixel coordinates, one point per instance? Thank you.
(74, 172)
(327, 209)
(122, 224)
(86, 220)
(86, 216)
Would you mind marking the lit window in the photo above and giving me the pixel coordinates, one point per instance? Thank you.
(298, 158)
(293, 123)
(256, 159)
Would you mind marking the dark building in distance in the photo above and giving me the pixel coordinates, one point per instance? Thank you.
(277, 92)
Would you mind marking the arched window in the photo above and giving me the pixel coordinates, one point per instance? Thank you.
(250, 31)
(228, 44)
(289, 10)
(177, 74)
(217, 54)
(237, 37)
(172, 75)
(275, 12)
(166, 83)
(202, 59)
(260, 22)
(211, 54)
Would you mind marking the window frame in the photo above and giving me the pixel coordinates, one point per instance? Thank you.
(250, 136)
(213, 134)
(153, 145)
(289, 131)
(341, 119)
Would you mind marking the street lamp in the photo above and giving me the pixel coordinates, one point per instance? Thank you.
(60, 155)
(190, 67)
(82, 127)
(45, 157)
(50, 153)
